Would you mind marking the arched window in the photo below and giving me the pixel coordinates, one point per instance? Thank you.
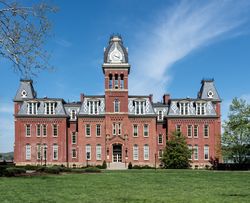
(122, 81)
(116, 81)
(116, 105)
(110, 81)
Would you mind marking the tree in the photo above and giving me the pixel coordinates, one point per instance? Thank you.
(236, 136)
(23, 31)
(176, 153)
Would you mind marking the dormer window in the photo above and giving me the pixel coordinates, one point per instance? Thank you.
(24, 94)
(200, 108)
(50, 108)
(93, 106)
(32, 107)
(160, 115)
(73, 114)
(184, 108)
(210, 94)
(140, 107)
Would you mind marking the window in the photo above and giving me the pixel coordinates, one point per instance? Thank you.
(98, 152)
(28, 152)
(87, 130)
(45, 148)
(49, 107)
(200, 108)
(135, 130)
(110, 81)
(55, 130)
(28, 130)
(189, 131)
(206, 152)
(74, 154)
(44, 130)
(32, 108)
(38, 147)
(196, 154)
(135, 152)
(73, 114)
(116, 81)
(160, 153)
(88, 152)
(93, 107)
(122, 82)
(98, 130)
(140, 107)
(191, 149)
(178, 128)
(116, 106)
(55, 152)
(160, 115)
(74, 138)
(145, 130)
(38, 130)
(119, 128)
(184, 108)
(196, 131)
(146, 152)
(114, 129)
(206, 131)
(160, 139)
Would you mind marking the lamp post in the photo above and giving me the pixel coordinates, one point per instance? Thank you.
(155, 160)
(45, 154)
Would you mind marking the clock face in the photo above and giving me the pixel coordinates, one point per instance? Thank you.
(116, 56)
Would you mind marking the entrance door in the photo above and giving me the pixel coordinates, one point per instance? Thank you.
(117, 153)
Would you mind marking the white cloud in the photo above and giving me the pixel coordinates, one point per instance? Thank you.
(63, 42)
(184, 28)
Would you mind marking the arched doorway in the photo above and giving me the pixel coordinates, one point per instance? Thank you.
(117, 153)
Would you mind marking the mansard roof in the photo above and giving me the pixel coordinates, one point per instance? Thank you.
(25, 91)
(208, 90)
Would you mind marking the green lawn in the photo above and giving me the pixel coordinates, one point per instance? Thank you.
(130, 186)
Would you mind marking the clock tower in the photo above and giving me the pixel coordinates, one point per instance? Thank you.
(116, 70)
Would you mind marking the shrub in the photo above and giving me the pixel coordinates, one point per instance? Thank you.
(92, 170)
(30, 167)
(99, 166)
(77, 170)
(130, 165)
(52, 170)
(2, 169)
(41, 169)
(104, 165)
(12, 171)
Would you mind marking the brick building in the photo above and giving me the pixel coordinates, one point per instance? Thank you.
(116, 127)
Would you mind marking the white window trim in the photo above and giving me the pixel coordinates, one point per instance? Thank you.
(96, 130)
(207, 131)
(55, 148)
(38, 148)
(72, 135)
(176, 128)
(144, 154)
(88, 149)
(136, 153)
(114, 128)
(118, 103)
(190, 147)
(206, 147)
(53, 129)
(134, 130)
(191, 131)
(74, 157)
(40, 128)
(196, 147)
(145, 131)
(161, 139)
(28, 152)
(26, 130)
(43, 130)
(197, 132)
(98, 152)
(86, 134)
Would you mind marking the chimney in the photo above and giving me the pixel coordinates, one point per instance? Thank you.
(166, 98)
(151, 98)
(81, 97)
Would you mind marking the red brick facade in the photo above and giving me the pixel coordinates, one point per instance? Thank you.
(115, 127)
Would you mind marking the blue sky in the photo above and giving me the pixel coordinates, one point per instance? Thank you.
(172, 46)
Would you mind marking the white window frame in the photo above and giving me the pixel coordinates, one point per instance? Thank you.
(28, 130)
(38, 152)
(206, 152)
(88, 129)
(146, 152)
(196, 152)
(116, 106)
(146, 130)
(73, 114)
(196, 127)
(38, 129)
(32, 108)
(98, 130)
(160, 135)
(55, 151)
(28, 152)
(135, 130)
(119, 128)
(206, 130)
(74, 138)
(88, 149)
(45, 152)
(135, 152)
(190, 147)
(160, 153)
(98, 152)
(114, 128)
(176, 128)
(44, 129)
(189, 131)
(72, 151)
(55, 129)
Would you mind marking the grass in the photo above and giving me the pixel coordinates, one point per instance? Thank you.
(139, 186)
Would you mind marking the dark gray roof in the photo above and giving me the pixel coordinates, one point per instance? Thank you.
(208, 90)
(25, 91)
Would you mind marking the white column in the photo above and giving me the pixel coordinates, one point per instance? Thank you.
(139, 107)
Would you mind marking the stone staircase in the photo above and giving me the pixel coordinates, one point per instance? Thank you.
(117, 166)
